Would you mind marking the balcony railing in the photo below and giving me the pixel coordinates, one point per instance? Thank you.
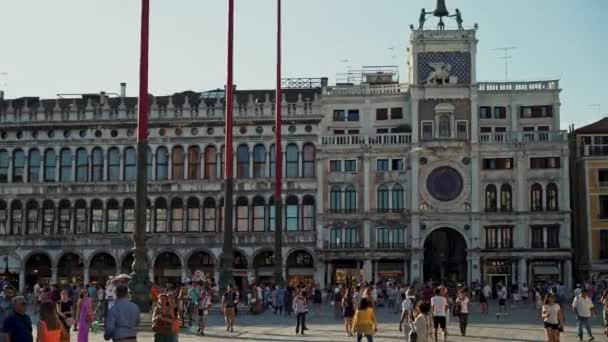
(517, 86)
(345, 245)
(390, 245)
(343, 211)
(366, 89)
(389, 210)
(593, 150)
(377, 139)
(523, 137)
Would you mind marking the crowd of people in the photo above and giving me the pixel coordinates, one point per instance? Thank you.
(425, 309)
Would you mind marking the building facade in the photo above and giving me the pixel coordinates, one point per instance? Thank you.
(589, 160)
(442, 177)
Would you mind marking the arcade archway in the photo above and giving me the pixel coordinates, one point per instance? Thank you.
(37, 269)
(102, 266)
(168, 269)
(70, 269)
(445, 256)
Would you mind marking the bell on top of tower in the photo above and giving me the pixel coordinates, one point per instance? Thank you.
(441, 10)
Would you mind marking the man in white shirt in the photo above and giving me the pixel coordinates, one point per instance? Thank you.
(407, 312)
(502, 299)
(439, 306)
(462, 310)
(584, 308)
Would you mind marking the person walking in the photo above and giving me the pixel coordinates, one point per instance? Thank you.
(462, 310)
(84, 314)
(204, 306)
(364, 322)
(49, 327)
(502, 300)
(163, 320)
(194, 294)
(17, 326)
(421, 331)
(122, 322)
(604, 301)
(552, 316)
(484, 297)
(440, 307)
(348, 312)
(279, 300)
(229, 302)
(407, 312)
(300, 308)
(64, 309)
(584, 310)
(6, 306)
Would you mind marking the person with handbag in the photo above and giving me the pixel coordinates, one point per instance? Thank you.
(64, 310)
(552, 317)
(84, 314)
(163, 320)
(364, 322)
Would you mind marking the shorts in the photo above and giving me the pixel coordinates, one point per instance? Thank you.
(483, 299)
(502, 302)
(439, 321)
(551, 326)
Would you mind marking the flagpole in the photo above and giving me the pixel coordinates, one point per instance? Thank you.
(278, 237)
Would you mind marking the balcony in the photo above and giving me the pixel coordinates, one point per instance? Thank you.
(517, 86)
(342, 211)
(523, 137)
(593, 151)
(345, 245)
(367, 89)
(389, 210)
(390, 245)
(376, 139)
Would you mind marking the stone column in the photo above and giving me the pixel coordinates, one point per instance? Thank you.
(170, 164)
(367, 243)
(53, 275)
(300, 171)
(73, 219)
(475, 271)
(121, 172)
(74, 161)
(475, 187)
(522, 185)
(366, 183)
(367, 270)
(22, 279)
(523, 271)
(564, 182)
(186, 164)
(105, 166)
(320, 271)
(86, 276)
(474, 129)
(415, 120)
(57, 218)
(184, 272)
(58, 167)
(416, 267)
(26, 167)
(151, 273)
(153, 167)
(218, 165)
(514, 117)
(568, 274)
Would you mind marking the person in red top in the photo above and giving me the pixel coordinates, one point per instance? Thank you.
(154, 293)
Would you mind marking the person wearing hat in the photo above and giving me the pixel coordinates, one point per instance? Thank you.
(18, 326)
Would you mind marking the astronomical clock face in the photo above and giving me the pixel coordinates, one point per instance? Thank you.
(444, 184)
(444, 68)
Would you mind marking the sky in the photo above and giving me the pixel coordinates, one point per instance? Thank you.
(83, 46)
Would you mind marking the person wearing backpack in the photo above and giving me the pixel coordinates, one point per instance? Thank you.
(229, 301)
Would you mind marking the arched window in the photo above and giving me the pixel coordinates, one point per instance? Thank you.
(308, 213)
(506, 202)
(160, 215)
(113, 164)
(177, 215)
(259, 214)
(4, 227)
(65, 217)
(112, 212)
(149, 164)
(82, 165)
(130, 164)
(335, 199)
(18, 166)
(259, 161)
(293, 217)
(65, 173)
(272, 217)
(194, 214)
(292, 160)
(162, 163)
(33, 223)
(96, 216)
(50, 160)
(81, 216)
(398, 198)
(16, 218)
(350, 199)
(3, 166)
(128, 216)
(242, 159)
(552, 199)
(383, 205)
(271, 158)
(536, 197)
(308, 160)
(178, 159)
(97, 164)
(444, 127)
(210, 162)
(242, 214)
(194, 162)
(34, 166)
(48, 217)
(491, 204)
(209, 215)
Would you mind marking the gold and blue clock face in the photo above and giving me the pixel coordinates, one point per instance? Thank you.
(457, 64)
(444, 183)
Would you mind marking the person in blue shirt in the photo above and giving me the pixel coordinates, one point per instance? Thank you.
(18, 326)
(122, 322)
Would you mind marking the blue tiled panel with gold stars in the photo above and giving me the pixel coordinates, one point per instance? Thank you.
(460, 62)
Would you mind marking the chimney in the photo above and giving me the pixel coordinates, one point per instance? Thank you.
(102, 98)
(123, 90)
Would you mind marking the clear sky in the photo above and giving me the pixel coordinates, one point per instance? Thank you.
(76, 46)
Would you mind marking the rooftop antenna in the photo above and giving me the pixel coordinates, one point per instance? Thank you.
(506, 57)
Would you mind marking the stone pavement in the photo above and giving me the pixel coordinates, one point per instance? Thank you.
(521, 325)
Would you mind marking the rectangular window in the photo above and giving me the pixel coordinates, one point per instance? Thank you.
(427, 130)
(335, 238)
(382, 131)
(397, 164)
(353, 115)
(335, 166)
(500, 129)
(393, 238)
(338, 132)
(350, 165)
(351, 237)
(498, 163)
(537, 237)
(396, 113)
(545, 163)
(536, 112)
(381, 114)
(499, 237)
(485, 112)
(81, 220)
(602, 177)
(353, 131)
(461, 130)
(64, 221)
(500, 112)
(382, 165)
(339, 115)
(603, 207)
(128, 225)
(485, 129)
(604, 244)
(96, 220)
(553, 237)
